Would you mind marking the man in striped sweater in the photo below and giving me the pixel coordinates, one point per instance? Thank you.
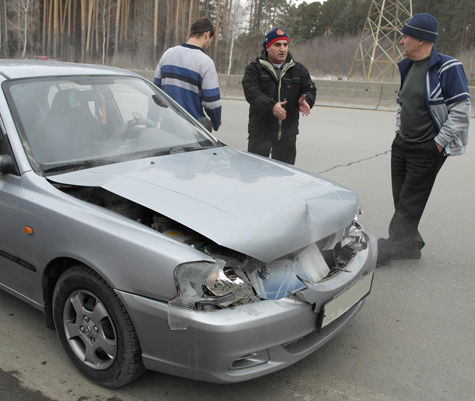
(189, 76)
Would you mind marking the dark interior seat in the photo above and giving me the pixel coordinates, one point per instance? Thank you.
(70, 127)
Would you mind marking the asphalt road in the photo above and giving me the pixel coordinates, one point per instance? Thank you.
(414, 339)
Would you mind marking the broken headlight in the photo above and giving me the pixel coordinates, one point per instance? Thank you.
(340, 248)
(206, 286)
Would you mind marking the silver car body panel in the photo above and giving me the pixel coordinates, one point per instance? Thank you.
(279, 209)
(112, 245)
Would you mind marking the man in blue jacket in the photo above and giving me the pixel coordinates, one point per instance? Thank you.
(433, 113)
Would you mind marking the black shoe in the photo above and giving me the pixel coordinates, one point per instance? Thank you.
(383, 258)
(407, 254)
(388, 251)
(384, 244)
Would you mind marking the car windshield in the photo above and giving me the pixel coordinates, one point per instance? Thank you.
(79, 122)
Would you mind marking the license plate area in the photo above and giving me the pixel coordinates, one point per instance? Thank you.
(345, 300)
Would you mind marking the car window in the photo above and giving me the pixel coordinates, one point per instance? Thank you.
(79, 122)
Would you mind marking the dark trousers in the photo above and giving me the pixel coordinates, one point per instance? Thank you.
(414, 167)
(283, 150)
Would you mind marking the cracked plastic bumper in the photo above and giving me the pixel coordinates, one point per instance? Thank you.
(245, 342)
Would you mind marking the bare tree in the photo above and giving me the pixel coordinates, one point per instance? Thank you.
(168, 29)
(89, 11)
(155, 29)
(104, 31)
(117, 25)
(23, 11)
(177, 16)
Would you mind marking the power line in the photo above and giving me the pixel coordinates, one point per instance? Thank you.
(378, 51)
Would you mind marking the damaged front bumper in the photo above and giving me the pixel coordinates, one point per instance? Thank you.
(246, 341)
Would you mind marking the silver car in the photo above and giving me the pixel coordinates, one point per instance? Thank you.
(149, 244)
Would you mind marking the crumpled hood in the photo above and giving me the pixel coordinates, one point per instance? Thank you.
(241, 201)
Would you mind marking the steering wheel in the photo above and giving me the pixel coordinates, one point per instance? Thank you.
(136, 121)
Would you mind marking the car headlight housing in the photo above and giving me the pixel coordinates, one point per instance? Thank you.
(341, 247)
(207, 286)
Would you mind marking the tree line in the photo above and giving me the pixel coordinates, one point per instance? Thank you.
(134, 33)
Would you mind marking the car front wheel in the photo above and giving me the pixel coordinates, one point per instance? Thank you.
(95, 329)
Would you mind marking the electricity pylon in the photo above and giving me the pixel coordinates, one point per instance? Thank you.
(378, 51)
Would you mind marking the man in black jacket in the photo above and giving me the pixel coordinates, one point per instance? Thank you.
(277, 88)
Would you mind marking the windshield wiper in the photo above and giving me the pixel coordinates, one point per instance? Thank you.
(180, 149)
(75, 166)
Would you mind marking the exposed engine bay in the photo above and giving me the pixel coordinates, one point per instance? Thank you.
(235, 278)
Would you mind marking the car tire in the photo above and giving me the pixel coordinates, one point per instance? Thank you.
(95, 328)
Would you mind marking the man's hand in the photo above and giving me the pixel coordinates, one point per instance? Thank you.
(439, 148)
(279, 111)
(303, 106)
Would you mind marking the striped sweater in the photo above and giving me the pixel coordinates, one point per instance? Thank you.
(189, 76)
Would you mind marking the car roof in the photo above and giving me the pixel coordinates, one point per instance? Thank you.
(14, 69)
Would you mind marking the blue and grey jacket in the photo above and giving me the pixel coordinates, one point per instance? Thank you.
(189, 76)
(447, 99)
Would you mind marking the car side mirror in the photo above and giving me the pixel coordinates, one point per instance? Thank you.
(6, 164)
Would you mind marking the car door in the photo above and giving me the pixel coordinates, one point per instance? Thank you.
(16, 274)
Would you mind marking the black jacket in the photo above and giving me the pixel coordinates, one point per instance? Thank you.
(263, 89)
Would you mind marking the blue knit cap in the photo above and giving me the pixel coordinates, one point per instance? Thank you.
(275, 35)
(421, 26)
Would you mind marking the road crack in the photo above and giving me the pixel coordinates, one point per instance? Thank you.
(354, 162)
